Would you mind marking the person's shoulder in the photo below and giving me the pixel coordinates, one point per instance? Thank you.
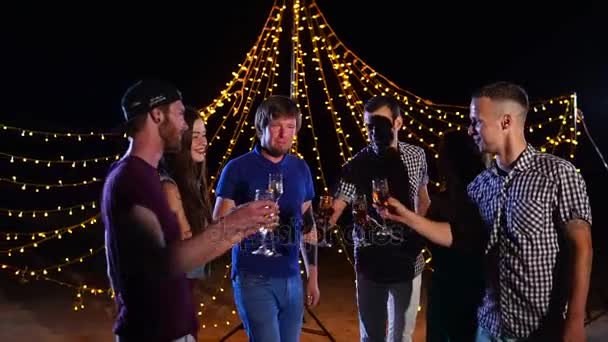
(129, 174)
(478, 183)
(410, 149)
(296, 160)
(165, 177)
(553, 164)
(169, 186)
(360, 156)
(126, 168)
(242, 161)
(172, 193)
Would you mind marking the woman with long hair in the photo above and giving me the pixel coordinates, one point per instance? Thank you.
(184, 180)
(457, 283)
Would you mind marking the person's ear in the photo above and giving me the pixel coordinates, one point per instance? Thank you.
(506, 122)
(398, 123)
(156, 115)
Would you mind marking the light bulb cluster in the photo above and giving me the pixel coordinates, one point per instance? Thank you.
(272, 27)
(345, 151)
(301, 92)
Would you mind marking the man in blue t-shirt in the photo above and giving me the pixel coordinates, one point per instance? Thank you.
(268, 288)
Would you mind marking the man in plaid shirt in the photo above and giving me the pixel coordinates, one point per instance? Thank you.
(388, 270)
(530, 217)
(536, 210)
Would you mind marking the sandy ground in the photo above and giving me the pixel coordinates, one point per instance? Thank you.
(42, 311)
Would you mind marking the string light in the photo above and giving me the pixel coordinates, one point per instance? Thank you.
(345, 151)
(48, 163)
(301, 77)
(34, 239)
(76, 136)
(254, 75)
(44, 213)
(25, 274)
(37, 186)
(274, 17)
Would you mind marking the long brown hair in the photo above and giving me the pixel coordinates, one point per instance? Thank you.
(190, 177)
(459, 160)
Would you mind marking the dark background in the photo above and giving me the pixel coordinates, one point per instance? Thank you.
(63, 71)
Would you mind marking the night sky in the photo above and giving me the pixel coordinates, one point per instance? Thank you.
(52, 79)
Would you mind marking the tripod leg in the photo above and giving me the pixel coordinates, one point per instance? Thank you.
(327, 333)
(232, 332)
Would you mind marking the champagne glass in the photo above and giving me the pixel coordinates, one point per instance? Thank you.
(380, 195)
(325, 211)
(359, 208)
(263, 194)
(275, 186)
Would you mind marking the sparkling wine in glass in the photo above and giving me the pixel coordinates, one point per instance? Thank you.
(360, 210)
(380, 195)
(326, 206)
(325, 211)
(263, 194)
(275, 186)
(380, 192)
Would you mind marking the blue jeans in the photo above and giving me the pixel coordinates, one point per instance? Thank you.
(272, 309)
(372, 300)
(550, 331)
(484, 336)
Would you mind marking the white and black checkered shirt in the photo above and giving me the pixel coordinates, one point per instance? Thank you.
(525, 212)
(414, 160)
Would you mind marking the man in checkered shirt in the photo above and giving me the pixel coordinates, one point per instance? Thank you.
(537, 215)
(388, 271)
(531, 218)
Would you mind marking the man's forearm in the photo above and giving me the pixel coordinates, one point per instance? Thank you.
(313, 273)
(337, 209)
(185, 255)
(581, 273)
(439, 233)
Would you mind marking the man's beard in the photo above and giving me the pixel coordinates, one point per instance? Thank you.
(172, 141)
(275, 152)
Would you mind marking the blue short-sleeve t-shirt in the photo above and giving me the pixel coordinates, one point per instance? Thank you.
(239, 180)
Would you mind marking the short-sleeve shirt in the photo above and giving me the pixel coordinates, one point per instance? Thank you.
(239, 180)
(151, 306)
(525, 212)
(387, 262)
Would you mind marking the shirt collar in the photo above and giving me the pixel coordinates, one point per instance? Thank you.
(522, 163)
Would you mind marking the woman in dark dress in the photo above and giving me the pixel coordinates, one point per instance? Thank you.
(456, 238)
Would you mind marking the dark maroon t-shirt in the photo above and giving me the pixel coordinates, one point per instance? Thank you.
(152, 306)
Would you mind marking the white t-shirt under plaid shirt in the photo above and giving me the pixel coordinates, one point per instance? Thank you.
(525, 212)
(414, 160)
